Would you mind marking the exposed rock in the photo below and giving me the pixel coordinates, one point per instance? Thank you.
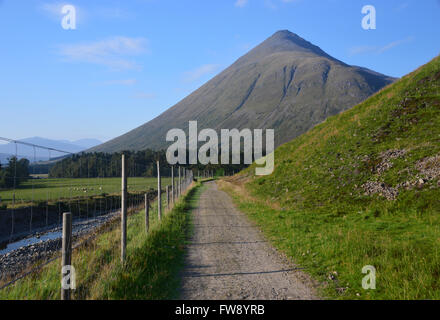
(386, 157)
(429, 167)
(380, 188)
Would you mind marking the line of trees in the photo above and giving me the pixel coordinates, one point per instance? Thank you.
(16, 172)
(139, 164)
(104, 165)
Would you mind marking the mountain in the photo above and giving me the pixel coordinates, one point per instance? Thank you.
(26, 151)
(362, 188)
(286, 83)
(87, 143)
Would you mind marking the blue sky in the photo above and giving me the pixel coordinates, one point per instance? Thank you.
(128, 61)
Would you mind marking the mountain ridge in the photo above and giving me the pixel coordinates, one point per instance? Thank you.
(285, 83)
(24, 151)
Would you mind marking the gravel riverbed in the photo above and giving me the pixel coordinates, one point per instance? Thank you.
(19, 256)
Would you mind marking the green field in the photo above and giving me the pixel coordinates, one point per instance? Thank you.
(54, 189)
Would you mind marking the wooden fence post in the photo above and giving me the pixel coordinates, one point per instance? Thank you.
(66, 253)
(147, 213)
(168, 198)
(159, 193)
(123, 210)
(172, 183)
(180, 182)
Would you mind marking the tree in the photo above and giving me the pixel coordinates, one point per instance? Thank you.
(15, 173)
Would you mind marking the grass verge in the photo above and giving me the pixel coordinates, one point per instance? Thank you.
(334, 249)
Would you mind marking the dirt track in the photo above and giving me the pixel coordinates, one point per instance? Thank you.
(227, 257)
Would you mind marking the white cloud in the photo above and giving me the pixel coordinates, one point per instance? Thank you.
(53, 10)
(201, 71)
(111, 13)
(144, 95)
(395, 44)
(402, 6)
(241, 3)
(111, 52)
(378, 49)
(362, 50)
(270, 4)
(123, 82)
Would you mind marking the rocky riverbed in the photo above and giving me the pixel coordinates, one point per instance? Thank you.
(21, 255)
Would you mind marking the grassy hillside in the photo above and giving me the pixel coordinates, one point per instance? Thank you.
(360, 189)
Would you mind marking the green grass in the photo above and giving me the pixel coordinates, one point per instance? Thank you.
(314, 200)
(150, 272)
(54, 189)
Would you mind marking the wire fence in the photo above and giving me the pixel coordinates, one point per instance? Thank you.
(32, 201)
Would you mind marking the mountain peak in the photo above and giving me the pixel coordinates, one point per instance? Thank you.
(285, 83)
(283, 41)
(285, 34)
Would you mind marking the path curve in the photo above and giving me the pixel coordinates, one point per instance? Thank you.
(227, 257)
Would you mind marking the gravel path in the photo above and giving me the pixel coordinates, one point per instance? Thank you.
(227, 258)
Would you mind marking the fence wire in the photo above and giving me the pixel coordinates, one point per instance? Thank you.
(33, 198)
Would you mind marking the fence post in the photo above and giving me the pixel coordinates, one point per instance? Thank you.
(159, 192)
(66, 253)
(168, 198)
(180, 183)
(123, 210)
(147, 213)
(172, 183)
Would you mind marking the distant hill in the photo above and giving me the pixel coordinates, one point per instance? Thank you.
(24, 151)
(363, 188)
(286, 83)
